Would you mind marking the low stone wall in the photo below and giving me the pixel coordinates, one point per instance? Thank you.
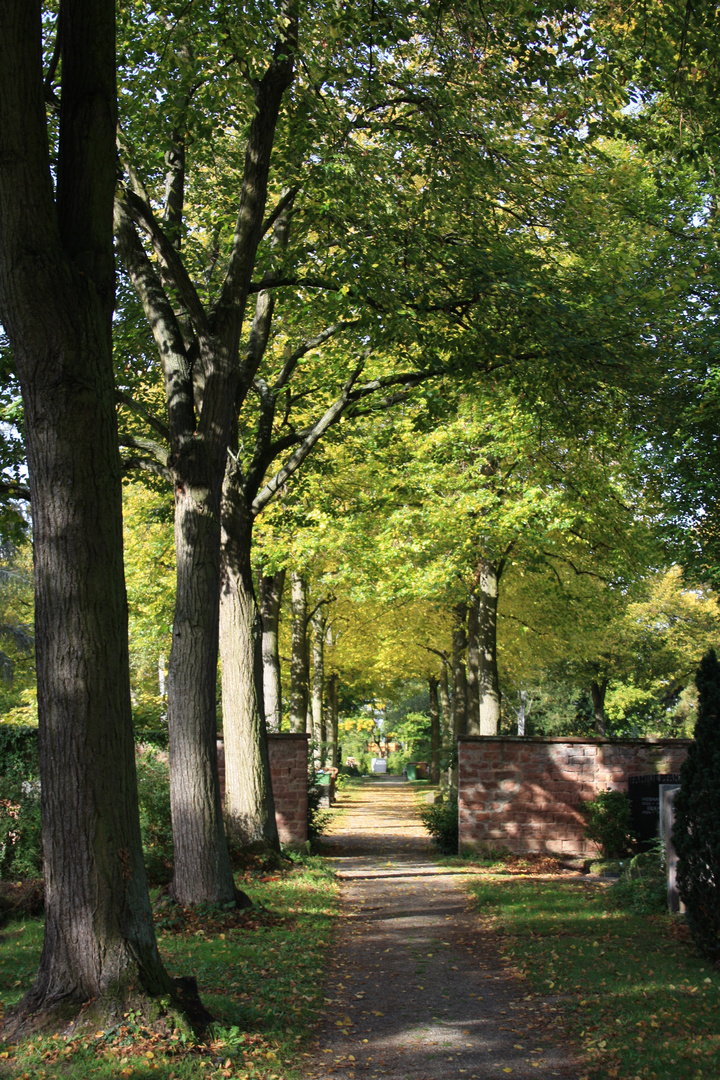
(524, 793)
(288, 772)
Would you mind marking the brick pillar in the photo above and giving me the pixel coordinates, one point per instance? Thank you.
(288, 773)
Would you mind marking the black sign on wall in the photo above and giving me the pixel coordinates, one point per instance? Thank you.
(644, 792)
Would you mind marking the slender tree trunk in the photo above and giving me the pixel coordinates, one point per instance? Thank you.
(318, 683)
(434, 730)
(56, 297)
(446, 718)
(299, 661)
(598, 691)
(459, 694)
(271, 590)
(459, 702)
(202, 871)
(473, 672)
(523, 711)
(489, 682)
(249, 804)
(332, 720)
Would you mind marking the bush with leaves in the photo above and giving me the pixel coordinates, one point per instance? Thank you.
(20, 828)
(609, 823)
(642, 887)
(155, 823)
(697, 817)
(317, 818)
(441, 821)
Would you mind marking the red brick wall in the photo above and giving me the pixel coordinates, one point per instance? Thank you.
(524, 793)
(288, 772)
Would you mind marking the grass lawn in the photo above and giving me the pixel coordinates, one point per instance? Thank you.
(261, 979)
(635, 996)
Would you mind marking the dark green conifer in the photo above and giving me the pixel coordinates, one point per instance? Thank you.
(697, 816)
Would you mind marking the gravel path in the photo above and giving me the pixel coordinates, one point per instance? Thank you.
(418, 991)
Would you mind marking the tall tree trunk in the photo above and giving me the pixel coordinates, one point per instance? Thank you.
(202, 871)
(318, 683)
(459, 701)
(446, 718)
(489, 682)
(459, 692)
(598, 690)
(271, 591)
(473, 670)
(332, 719)
(434, 730)
(56, 299)
(299, 659)
(249, 804)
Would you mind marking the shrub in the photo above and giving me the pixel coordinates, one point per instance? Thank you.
(697, 817)
(155, 823)
(441, 821)
(317, 819)
(642, 887)
(20, 828)
(608, 819)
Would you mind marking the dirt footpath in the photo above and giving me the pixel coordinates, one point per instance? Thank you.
(418, 990)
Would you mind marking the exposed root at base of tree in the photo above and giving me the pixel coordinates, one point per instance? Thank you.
(179, 1013)
(210, 919)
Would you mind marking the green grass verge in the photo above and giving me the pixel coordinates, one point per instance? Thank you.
(263, 983)
(637, 999)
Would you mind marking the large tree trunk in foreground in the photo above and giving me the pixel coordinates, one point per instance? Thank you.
(434, 730)
(56, 297)
(299, 658)
(202, 871)
(249, 804)
(271, 590)
(598, 691)
(489, 682)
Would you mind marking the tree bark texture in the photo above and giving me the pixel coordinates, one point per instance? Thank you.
(56, 297)
(202, 871)
(473, 669)
(271, 591)
(598, 691)
(249, 803)
(299, 657)
(434, 730)
(318, 623)
(488, 679)
(332, 719)
(459, 699)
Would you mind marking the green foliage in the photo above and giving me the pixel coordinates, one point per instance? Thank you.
(317, 819)
(20, 825)
(642, 887)
(441, 821)
(155, 823)
(608, 818)
(697, 816)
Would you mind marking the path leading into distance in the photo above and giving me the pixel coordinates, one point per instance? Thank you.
(417, 989)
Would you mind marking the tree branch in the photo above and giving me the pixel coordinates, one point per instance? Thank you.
(13, 489)
(169, 257)
(141, 410)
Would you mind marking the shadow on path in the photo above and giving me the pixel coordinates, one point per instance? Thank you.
(417, 990)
